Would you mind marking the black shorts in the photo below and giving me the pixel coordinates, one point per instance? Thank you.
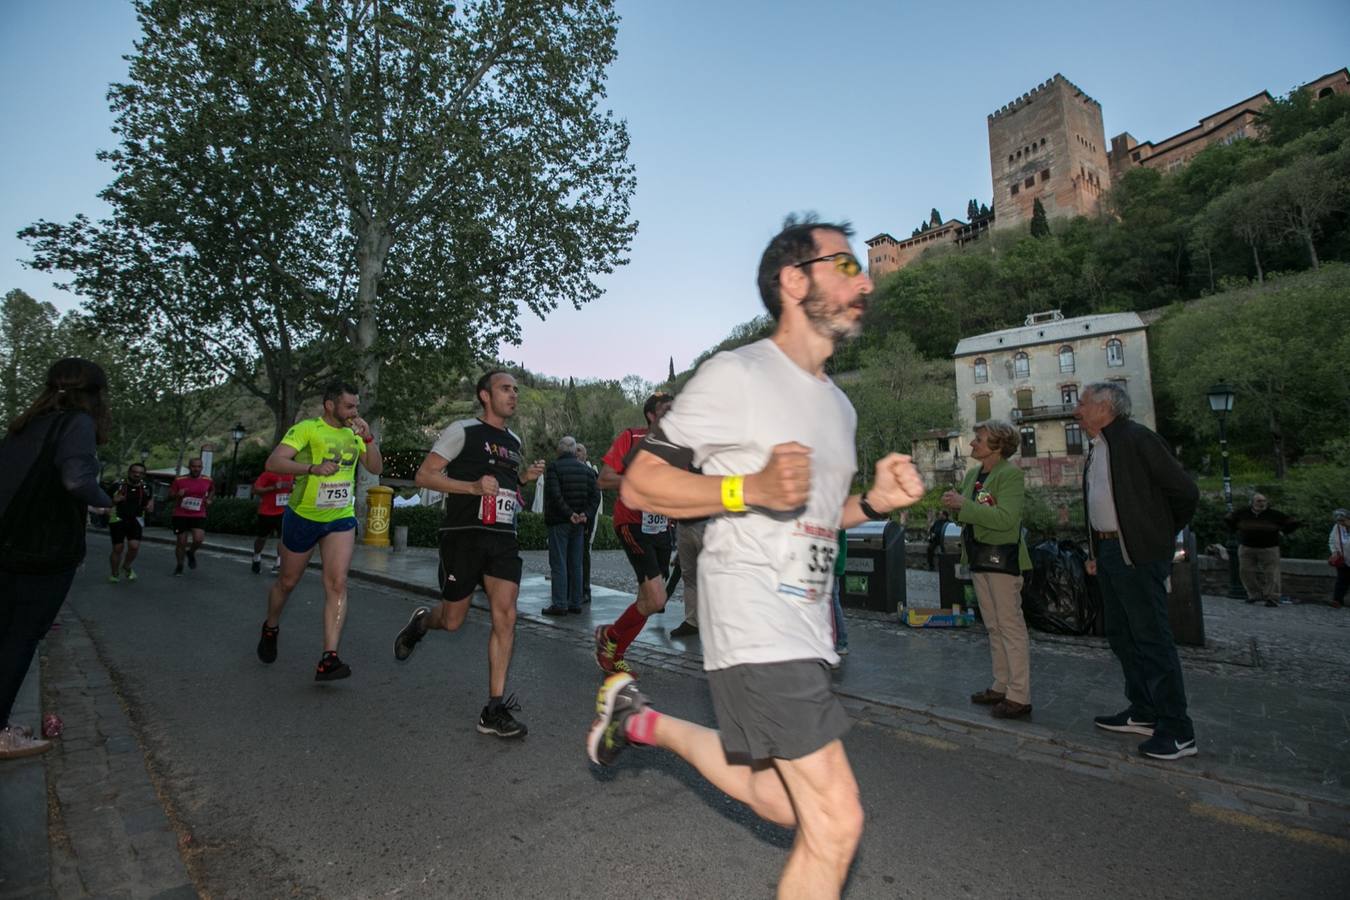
(124, 530)
(648, 554)
(783, 710)
(269, 525)
(188, 523)
(469, 555)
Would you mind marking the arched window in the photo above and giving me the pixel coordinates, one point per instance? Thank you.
(1021, 365)
(1066, 358)
(981, 370)
(1115, 352)
(1325, 93)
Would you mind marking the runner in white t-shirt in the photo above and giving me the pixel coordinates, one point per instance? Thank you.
(774, 439)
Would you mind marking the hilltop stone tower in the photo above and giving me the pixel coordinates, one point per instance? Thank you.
(1048, 144)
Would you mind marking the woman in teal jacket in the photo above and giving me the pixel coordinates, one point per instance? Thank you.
(990, 504)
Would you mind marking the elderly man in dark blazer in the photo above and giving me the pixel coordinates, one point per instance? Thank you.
(1137, 498)
(570, 493)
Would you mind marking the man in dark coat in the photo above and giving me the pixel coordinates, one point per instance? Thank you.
(1137, 498)
(570, 492)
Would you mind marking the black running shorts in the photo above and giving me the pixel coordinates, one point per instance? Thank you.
(124, 530)
(269, 525)
(782, 710)
(648, 554)
(468, 555)
(183, 524)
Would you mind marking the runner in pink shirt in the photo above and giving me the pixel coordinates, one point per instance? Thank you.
(191, 497)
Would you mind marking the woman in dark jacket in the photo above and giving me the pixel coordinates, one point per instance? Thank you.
(48, 479)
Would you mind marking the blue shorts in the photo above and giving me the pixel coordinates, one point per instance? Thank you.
(300, 534)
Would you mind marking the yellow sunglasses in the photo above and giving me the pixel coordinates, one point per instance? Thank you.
(845, 264)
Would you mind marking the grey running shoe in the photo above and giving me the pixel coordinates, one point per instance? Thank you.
(619, 698)
(500, 722)
(406, 640)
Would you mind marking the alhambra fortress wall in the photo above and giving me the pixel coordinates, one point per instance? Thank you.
(1050, 145)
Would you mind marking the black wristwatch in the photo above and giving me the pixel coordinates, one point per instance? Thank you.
(868, 511)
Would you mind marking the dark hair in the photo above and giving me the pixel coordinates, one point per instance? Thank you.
(137, 465)
(72, 384)
(485, 384)
(656, 400)
(335, 389)
(794, 244)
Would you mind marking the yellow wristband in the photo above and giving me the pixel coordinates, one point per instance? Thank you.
(733, 493)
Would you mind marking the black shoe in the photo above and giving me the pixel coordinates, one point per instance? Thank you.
(1125, 723)
(554, 610)
(257, 566)
(1162, 746)
(267, 644)
(500, 722)
(331, 668)
(574, 610)
(406, 640)
(619, 699)
(585, 598)
(178, 570)
(1272, 603)
(684, 629)
(192, 559)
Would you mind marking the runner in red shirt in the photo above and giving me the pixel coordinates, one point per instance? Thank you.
(645, 538)
(191, 497)
(275, 491)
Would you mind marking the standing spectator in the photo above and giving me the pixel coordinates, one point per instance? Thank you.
(569, 491)
(592, 523)
(1137, 498)
(1336, 544)
(1258, 529)
(840, 626)
(48, 479)
(936, 532)
(688, 545)
(989, 505)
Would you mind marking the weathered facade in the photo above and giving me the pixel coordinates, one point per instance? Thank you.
(1048, 145)
(1229, 124)
(1031, 376)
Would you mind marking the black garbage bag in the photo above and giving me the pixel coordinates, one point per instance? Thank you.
(1056, 594)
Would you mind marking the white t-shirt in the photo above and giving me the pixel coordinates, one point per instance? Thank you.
(764, 578)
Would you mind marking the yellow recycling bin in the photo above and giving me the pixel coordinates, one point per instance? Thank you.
(379, 503)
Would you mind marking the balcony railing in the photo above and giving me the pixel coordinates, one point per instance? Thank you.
(1038, 413)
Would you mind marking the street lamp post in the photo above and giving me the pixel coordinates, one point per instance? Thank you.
(238, 432)
(145, 454)
(1221, 404)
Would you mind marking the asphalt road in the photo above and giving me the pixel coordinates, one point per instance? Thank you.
(379, 785)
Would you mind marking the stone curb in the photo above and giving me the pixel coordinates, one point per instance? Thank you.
(1296, 807)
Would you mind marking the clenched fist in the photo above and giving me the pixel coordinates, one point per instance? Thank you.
(487, 485)
(897, 484)
(785, 481)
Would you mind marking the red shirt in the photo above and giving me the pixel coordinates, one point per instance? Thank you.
(274, 503)
(195, 491)
(617, 459)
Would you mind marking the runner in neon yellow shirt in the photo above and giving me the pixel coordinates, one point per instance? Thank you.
(322, 453)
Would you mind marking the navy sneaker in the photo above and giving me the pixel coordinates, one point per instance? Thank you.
(1125, 723)
(1162, 746)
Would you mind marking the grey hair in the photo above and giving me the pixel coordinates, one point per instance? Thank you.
(1338, 514)
(1112, 394)
(568, 446)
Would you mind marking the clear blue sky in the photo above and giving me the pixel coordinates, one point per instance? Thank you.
(739, 112)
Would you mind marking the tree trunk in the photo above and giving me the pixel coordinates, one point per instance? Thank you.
(1312, 248)
(372, 251)
(1256, 257)
(1277, 435)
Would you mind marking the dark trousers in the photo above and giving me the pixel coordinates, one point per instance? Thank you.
(565, 544)
(1135, 600)
(586, 564)
(28, 606)
(1342, 584)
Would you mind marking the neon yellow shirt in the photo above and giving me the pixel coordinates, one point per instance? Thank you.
(325, 498)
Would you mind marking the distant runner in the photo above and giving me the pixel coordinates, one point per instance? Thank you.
(132, 500)
(192, 496)
(275, 493)
(321, 454)
(646, 541)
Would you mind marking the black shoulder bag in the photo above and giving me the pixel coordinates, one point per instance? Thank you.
(42, 530)
(1001, 559)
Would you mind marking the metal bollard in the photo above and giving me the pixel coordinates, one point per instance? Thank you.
(400, 538)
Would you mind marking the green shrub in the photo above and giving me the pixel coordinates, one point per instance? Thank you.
(232, 515)
(422, 522)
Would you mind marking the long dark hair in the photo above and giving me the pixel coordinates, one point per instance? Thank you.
(72, 384)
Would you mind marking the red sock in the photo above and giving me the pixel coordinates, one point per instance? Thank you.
(626, 630)
(639, 727)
